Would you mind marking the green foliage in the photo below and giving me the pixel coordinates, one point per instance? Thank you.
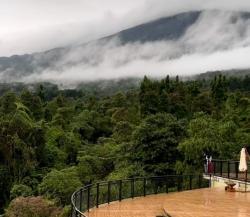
(32, 207)
(96, 162)
(123, 131)
(219, 88)
(155, 142)
(207, 135)
(19, 190)
(59, 185)
(203, 138)
(5, 185)
(15, 143)
(125, 170)
(61, 147)
(33, 103)
(8, 103)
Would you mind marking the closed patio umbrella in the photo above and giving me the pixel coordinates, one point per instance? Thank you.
(243, 160)
(244, 156)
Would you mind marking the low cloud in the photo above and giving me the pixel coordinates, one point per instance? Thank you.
(29, 26)
(217, 41)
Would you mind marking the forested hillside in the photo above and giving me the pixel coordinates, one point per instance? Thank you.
(53, 142)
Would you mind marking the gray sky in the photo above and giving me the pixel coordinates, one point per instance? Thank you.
(35, 25)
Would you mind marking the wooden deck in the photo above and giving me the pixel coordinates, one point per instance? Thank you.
(214, 202)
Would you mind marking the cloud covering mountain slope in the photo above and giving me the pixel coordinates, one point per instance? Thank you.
(185, 44)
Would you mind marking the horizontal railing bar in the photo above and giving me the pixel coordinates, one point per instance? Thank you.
(217, 160)
(102, 183)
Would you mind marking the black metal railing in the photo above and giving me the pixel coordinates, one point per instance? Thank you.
(228, 169)
(96, 194)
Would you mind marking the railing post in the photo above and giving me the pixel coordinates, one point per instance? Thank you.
(144, 187)
(199, 181)
(221, 166)
(228, 169)
(237, 170)
(210, 181)
(214, 167)
(72, 210)
(155, 186)
(120, 190)
(190, 182)
(80, 200)
(246, 181)
(132, 187)
(179, 183)
(97, 194)
(75, 200)
(88, 198)
(167, 185)
(109, 183)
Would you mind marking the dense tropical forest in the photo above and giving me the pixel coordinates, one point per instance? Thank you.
(55, 141)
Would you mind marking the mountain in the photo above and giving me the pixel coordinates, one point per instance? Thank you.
(168, 28)
(164, 39)
(227, 73)
(162, 29)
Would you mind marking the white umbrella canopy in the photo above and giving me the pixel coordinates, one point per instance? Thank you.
(243, 160)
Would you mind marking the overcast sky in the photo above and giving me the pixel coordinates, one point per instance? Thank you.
(35, 25)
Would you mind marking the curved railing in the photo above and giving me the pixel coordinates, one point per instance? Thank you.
(93, 195)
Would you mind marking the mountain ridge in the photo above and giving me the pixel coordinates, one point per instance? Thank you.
(167, 28)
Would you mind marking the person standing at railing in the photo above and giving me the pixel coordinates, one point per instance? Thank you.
(210, 165)
(206, 164)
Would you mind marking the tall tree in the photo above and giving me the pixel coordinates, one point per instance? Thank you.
(155, 141)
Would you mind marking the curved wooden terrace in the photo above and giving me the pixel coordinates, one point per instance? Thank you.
(208, 202)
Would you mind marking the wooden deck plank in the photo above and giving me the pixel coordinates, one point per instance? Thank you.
(214, 202)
